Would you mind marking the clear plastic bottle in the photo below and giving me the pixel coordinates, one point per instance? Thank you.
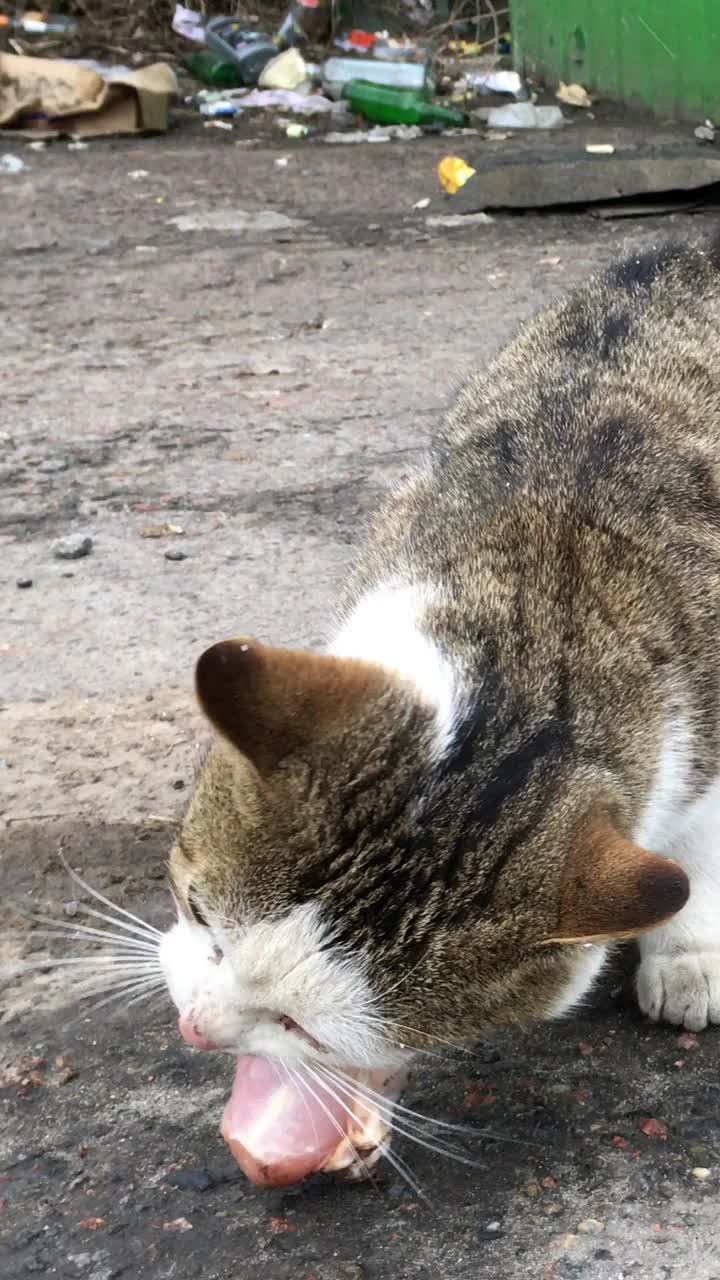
(336, 73)
(37, 22)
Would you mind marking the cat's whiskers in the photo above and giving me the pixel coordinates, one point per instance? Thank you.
(128, 992)
(100, 897)
(127, 967)
(410, 1129)
(303, 1080)
(390, 1155)
(93, 958)
(75, 926)
(387, 1025)
(378, 1100)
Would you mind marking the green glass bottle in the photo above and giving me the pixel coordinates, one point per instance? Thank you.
(384, 104)
(211, 70)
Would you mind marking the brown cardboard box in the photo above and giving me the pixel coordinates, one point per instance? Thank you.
(47, 97)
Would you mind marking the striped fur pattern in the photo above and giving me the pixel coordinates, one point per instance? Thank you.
(537, 613)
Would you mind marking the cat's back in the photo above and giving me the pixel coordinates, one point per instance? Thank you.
(606, 404)
(634, 352)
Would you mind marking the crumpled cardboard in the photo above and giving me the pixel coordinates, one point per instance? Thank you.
(47, 97)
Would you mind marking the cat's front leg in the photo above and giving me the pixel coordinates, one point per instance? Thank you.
(678, 980)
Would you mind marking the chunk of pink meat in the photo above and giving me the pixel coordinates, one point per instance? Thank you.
(282, 1125)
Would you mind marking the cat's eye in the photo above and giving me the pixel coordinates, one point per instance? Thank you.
(195, 911)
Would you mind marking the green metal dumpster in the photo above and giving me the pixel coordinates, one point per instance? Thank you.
(661, 55)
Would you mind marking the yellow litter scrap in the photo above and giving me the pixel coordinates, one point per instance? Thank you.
(575, 95)
(454, 173)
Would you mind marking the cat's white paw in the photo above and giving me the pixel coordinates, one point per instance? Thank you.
(683, 988)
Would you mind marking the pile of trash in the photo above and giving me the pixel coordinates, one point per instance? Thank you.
(400, 83)
(402, 86)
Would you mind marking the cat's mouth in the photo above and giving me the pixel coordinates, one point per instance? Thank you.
(283, 1123)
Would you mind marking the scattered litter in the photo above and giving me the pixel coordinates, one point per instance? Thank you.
(77, 145)
(222, 107)
(135, 175)
(24, 583)
(422, 204)
(384, 104)
(177, 1224)
(310, 105)
(705, 132)
(701, 1174)
(242, 47)
(188, 23)
(282, 162)
(33, 23)
(72, 547)
(591, 1226)
(525, 115)
(451, 221)
(91, 1224)
(37, 146)
(338, 73)
(453, 173)
(295, 130)
(145, 248)
(218, 124)
(80, 102)
(210, 70)
(493, 82)
(286, 71)
(600, 148)
(359, 41)
(238, 220)
(687, 1040)
(379, 133)
(162, 530)
(11, 164)
(573, 95)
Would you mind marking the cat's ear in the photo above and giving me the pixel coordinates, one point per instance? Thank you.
(271, 702)
(612, 889)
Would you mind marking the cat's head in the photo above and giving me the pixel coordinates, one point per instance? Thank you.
(350, 888)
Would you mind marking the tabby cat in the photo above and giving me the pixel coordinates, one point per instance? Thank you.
(508, 756)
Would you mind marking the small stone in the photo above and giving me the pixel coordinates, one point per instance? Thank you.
(178, 785)
(199, 1179)
(174, 553)
(591, 1226)
(701, 1174)
(73, 547)
(71, 908)
(51, 465)
(24, 582)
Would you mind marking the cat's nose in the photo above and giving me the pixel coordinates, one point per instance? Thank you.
(191, 1033)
